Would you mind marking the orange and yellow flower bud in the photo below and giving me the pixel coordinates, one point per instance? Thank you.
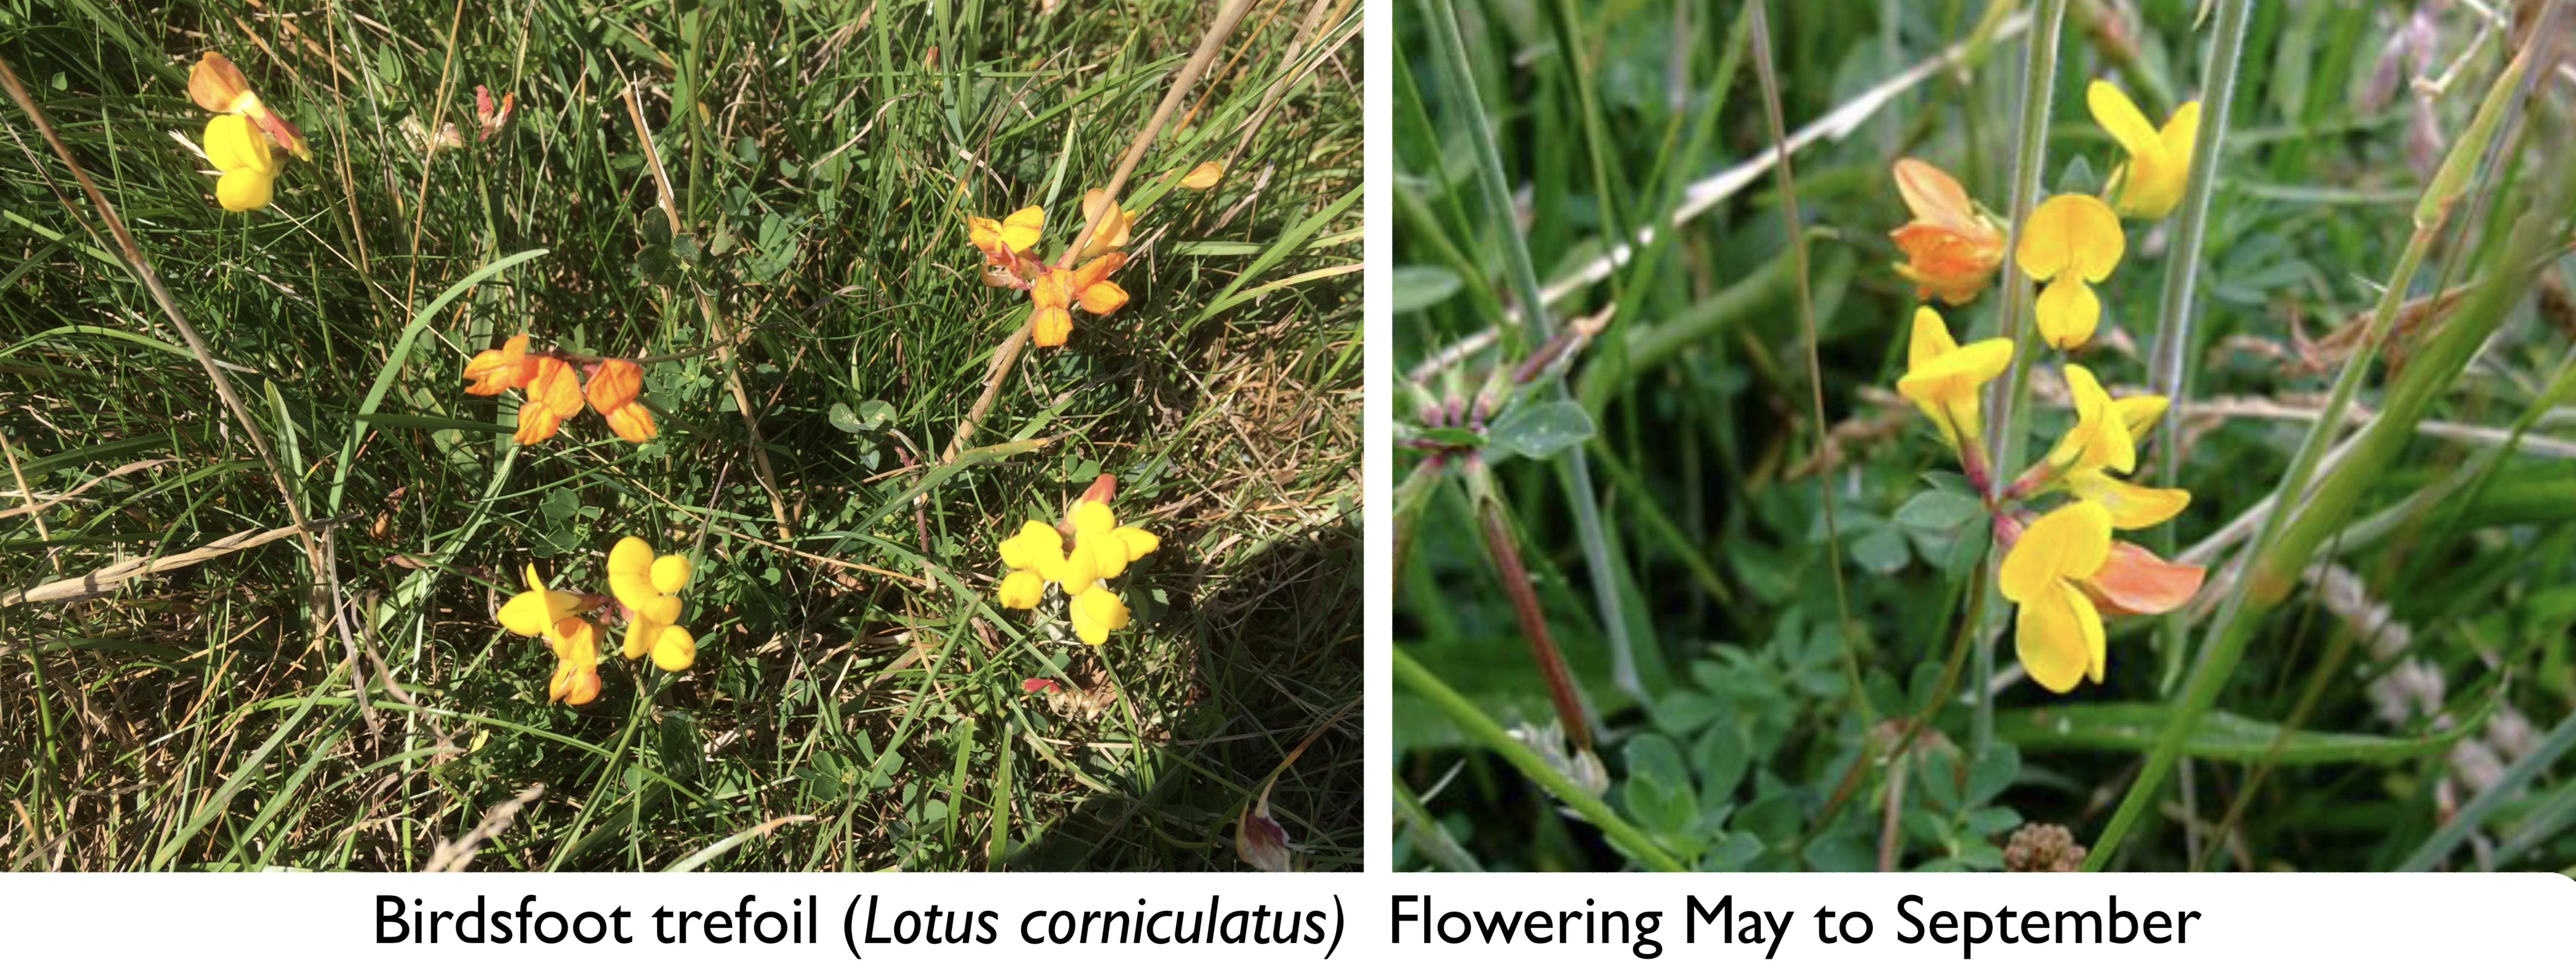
(1951, 247)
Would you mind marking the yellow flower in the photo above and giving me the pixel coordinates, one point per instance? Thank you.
(250, 169)
(2100, 437)
(2070, 241)
(2057, 629)
(648, 587)
(1036, 557)
(2105, 438)
(612, 392)
(219, 87)
(1101, 549)
(557, 616)
(1057, 289)
(576, 678)
(1204, 175)
(1112, 232)
(1942, 377)
(1951, 249)
(532, 612)
(507, 367)
(1015, 233)
(2151, 183)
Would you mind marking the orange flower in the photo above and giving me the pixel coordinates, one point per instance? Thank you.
(220, 88)
(1951, 249)
(1058, 288)
(554, 395)
(1111, 233)
(612, 392)
(507, 367)
(1204, 175)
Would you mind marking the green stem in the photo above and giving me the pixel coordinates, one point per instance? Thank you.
(2004, 414)
(2169, 361)
(1414, 677)
(1574, 471)
(1788, 181)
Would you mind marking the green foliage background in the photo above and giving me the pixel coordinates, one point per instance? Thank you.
(857, 699)
(2433, 667)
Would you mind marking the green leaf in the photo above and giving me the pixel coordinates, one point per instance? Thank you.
(1881, 551)
(2133, 727)
(1938, 511)
(1421, 287)
(1658, 790)
(1539, 430)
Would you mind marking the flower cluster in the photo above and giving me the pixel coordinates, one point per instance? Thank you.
(555, 390)
(2069, 243)
(2062, 570)
(1099, 549)
(1008, 246)
(243, 138)
(646, 586)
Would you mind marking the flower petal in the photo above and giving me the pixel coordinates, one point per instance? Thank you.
(232, 146)
(557, 385)
(640, 634)
(1080, 571)
(1021, 589)
(659, 609)
(1140, 543)
(2132, 506)
(674, 649)
(1932, 196)
(1092, 517)
(2071, 233)
(1108, 553)
(2069, 543)
(614, 385)
(245, 189)
(2135, 581)
(2058, 637)
(526, 614)
(1104, 606)
(1050, 326)
(1204, 175)
(632, 423)
(216, 86)
(1103, 298)
(671, 572)
(536, 423)
(630, 568)
(2068, 313)
(2120, 117)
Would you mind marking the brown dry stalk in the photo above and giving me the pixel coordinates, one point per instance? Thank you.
(715, 322)
(453, 856)
(169, 306)
(1008, 353)
(105, 581)
(1506, 552)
